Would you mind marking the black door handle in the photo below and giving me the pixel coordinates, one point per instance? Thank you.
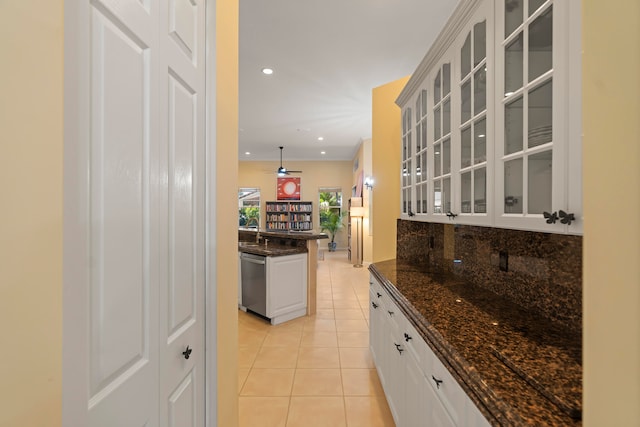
(187, 352)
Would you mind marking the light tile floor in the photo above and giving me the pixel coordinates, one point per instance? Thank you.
(315, 370)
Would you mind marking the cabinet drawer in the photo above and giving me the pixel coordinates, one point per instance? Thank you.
(448, 390)
(416, 345)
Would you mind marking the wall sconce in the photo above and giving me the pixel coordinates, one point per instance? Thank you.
(368, 182)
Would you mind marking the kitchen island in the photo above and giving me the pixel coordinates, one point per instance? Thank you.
(514, 365)
(279, 243)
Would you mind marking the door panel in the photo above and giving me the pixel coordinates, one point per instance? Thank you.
(182, 403)
(182, 92)
(123, 344)
(182, 238)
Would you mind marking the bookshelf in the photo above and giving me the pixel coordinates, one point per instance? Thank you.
(289, 216)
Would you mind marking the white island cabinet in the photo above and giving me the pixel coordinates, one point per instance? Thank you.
(286, 287)
(419, 389)
(274, 287)
(491, 119)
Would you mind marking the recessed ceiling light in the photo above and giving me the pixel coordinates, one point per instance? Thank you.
(480, 136)
(267, 71)
(320, 138)
(323, 152)
(247, 153)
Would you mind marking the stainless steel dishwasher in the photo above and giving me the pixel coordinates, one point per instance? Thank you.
(253, 270)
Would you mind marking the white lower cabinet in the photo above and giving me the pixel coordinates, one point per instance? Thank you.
(419, 389)
(286, 287)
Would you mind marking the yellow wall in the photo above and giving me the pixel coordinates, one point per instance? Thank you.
(226, 171)
(31, 140)
(611, 61)
(315, 175)
(385, 198)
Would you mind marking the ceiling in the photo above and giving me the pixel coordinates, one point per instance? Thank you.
(327, 56)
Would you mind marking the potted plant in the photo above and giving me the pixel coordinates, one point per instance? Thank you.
(331, 221)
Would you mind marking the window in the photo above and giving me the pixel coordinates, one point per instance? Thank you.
(248, 207)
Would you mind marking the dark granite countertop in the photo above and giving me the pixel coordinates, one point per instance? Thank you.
(519, 368)
(270, 249)
(295, 235)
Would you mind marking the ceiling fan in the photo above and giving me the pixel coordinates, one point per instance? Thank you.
(282, 171)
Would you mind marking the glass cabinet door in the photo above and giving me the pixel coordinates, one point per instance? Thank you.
(473, 121)
(422, 195)
(406, 173)
(527, 102)
(442, 140)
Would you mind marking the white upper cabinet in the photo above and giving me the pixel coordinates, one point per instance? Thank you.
(491, 131)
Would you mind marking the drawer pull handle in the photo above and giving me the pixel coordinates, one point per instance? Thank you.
(407, 337)
(390, 313)
(399, 348)
(438, 382)
(374, 305)
(379, 294)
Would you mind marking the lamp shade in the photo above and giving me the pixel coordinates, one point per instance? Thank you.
(357, 211)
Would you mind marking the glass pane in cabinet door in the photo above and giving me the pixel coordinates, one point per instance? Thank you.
(437, 196)
(446, 79)
(437, 92)
(479, 42)
(418, 170)
(513, 186)
(409, 144)
(465, 147)
(404, 147)
(513, 11)
(541, 114)
(437, 160)
(424, 133)
(425, 196)
(446, 195)
(465, 190)
(513, 126)
(479, 91)
(513, 57)
(424, 102)
(418, 199)
(480, 190)
(541, 44)
(446, 156)
(423, 166)
(465, 57)
(446, 117)
(436, 123)
(535, 5)
(480, 141)
(409, 172)
(539, 191)
(465, 95)
(418, 137)
(405, 174)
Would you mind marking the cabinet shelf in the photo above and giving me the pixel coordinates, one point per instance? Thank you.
(285, 216)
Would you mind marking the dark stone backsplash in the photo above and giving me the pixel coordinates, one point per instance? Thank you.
(544, 270)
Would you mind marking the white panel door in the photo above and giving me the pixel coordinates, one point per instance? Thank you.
(123, 354)
(144, 213)
(182, 299)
